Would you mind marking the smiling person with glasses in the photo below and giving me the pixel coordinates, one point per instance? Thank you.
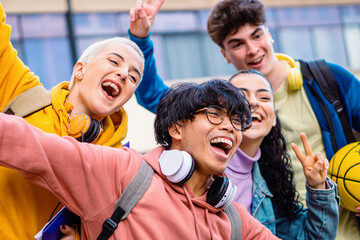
(89, 179)
(216, 115)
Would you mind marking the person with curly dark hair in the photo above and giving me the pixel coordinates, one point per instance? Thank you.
(262, 171)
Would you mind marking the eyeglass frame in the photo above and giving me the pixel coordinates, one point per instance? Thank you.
(222, 118)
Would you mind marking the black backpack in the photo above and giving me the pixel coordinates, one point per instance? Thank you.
(320, 72)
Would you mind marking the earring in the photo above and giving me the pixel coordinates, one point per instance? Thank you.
(272, 41)
(79, 76)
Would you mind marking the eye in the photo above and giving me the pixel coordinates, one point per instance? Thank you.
(114, 62)
(265, 98)
(258, 35)
(133, 78)
(213, 114)
(237, 45)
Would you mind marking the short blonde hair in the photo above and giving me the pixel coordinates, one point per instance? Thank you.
(94, 49)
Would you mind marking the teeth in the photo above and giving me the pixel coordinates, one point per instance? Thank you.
(223, 140)
(256, 116)
(115, 88)
(257, 60)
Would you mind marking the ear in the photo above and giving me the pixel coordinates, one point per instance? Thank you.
(79, 70)
(267, 32)
(274, 122)
(224, 54)
(175, 131)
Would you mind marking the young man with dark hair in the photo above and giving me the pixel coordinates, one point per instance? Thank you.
(238, 27)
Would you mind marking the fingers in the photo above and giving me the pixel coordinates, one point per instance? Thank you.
(357, 209)
(132, 14)
(298, 153)
(316, 175)
(306, 144)
(158, 5)
(134, 11)
(65, 229)
(321, 163)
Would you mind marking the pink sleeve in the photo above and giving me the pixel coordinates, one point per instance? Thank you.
(85, 177)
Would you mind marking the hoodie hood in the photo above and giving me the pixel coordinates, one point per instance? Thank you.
(115, 126)
(183, 189)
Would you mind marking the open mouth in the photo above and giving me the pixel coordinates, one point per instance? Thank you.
(256, 118)
(256, 61)
(222, 144)
(111, 89)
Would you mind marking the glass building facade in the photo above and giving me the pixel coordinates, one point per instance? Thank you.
(48, 44)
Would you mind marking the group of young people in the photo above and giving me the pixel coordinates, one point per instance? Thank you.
(209, 121)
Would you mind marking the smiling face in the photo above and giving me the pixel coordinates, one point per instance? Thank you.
(212, 146)
(250, 47)
(260, 96)
(107, 81)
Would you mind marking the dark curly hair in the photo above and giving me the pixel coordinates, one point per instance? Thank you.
(183, 100)
(275, 165)
(228, 15)
(276, 169)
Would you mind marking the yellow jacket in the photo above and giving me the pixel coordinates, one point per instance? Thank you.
(25, 207)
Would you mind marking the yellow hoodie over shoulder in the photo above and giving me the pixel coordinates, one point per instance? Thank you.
(25, 207)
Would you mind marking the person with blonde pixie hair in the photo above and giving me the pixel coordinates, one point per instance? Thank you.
(89, 109)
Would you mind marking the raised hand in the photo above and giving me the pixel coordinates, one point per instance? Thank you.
(315, 166)
(142, 17)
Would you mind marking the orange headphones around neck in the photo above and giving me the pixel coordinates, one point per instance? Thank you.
(82, 127)
(294, 75)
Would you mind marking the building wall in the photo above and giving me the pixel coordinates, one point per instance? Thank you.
(36, 6)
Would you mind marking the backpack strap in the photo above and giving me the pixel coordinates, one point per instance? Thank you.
(128, 199)
(28, 102)
(235, 221)
(321, 73)
(133, 193)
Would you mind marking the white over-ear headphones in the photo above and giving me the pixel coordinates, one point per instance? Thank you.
(178, 167)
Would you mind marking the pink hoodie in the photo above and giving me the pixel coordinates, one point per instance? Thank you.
(89, 179)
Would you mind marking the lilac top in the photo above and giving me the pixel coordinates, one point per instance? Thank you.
(239, 171)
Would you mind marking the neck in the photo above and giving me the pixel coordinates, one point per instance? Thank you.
(198, 184)
(277, 75)
(78, 106)
(250, 147)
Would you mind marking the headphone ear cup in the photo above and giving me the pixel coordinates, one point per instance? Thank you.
(84, 129)
(93, 132)
(221, 192)
(177, 166)
(294, 75)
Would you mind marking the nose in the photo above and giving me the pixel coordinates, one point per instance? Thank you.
(122, 74)
(226, 125)
(253, 102)
(252, 48)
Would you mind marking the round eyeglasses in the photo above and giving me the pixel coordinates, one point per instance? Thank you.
(216, 115)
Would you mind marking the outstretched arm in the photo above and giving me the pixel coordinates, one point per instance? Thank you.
(85, 177)
(152, 87)
(15, 77)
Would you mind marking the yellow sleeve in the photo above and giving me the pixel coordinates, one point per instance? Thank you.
(15, 76)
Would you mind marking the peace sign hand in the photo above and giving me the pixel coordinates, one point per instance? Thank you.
(142, 17)
(315, 166)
